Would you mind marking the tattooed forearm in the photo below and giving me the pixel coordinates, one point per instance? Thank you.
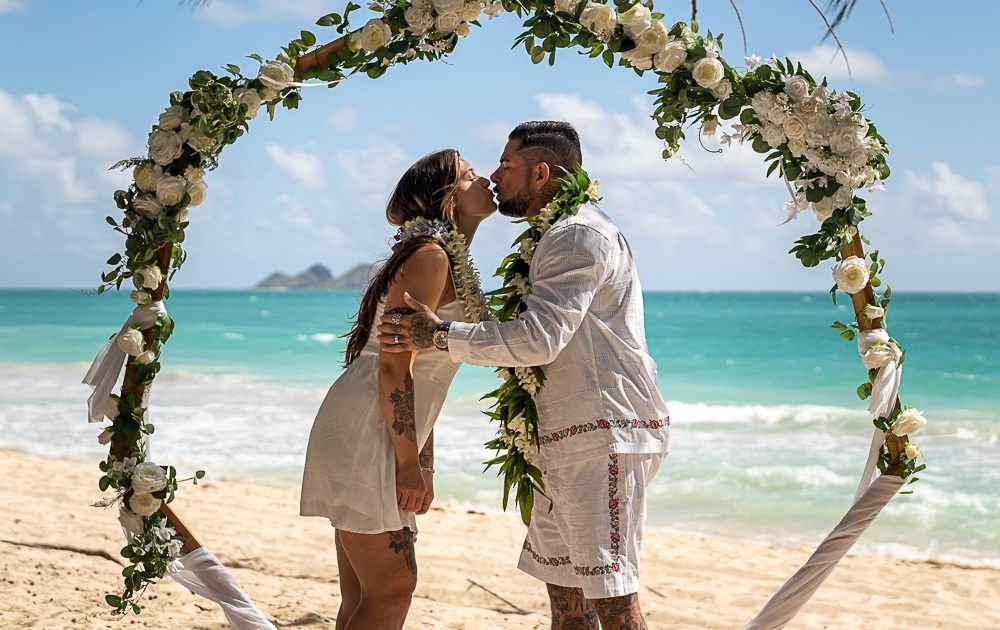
(401, 541)
(570, 610)
(426, 457)
(403, 416)
(421, 330)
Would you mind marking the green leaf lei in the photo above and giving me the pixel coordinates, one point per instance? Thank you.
(517, 436)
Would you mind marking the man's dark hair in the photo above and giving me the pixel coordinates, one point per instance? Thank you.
(551, 141)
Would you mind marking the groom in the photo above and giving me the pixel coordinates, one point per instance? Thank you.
(603, 425)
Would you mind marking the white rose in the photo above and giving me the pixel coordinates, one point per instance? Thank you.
(448, 6)
(879, 355)
(170, 190)
(373, 35)
(131, 522)
(843, 197)
(912, 452)
(873, 312)
(635, 20)
(598, 18)
(144, 504)
(844, 140)
(709, 126)
(908, 422)
(139, 297)
(173, 116)
(794, 127)
(653, 39)
(148, 206)
(146, 175)
(567, 6)
(723, 90)
(148, 477)
(463, 29)
(851, 274)
(268, 95)
(796, 146)
(194, 174)
(707, 72)
(638, 59)
(773, 135)
(197, 192)
(198, 139)
(447, 22)
(419, 20)
(823, 209)
(151, 276)
(146, 357)
(472, 9)
(276, 75)
(672, 56)
(131, 342)
(809, 108)
(858, 156)
(165, 146)
(250, 98)
(796, 87)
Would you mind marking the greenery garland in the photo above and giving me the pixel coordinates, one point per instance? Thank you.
(817, 141)
(514, 409)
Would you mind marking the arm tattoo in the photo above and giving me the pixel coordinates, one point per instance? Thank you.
(403, 415)
(401, 541)
(421, 329)
(426, 457)
(570, 609)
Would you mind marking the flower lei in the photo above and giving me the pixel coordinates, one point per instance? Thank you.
(463, 272)
(517, 435)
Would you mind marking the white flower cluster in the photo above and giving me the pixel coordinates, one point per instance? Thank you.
(131, 342)
(516, 435)
(820, 127)
(147, 478)
(437, 19)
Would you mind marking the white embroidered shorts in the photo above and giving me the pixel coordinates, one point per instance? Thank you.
(593, 536)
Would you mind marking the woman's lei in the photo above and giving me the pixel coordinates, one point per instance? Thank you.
(463, 272)
(517, 436)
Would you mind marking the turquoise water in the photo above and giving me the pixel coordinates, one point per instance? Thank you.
(768, 434)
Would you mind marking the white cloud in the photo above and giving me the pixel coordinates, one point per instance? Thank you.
(342, 119)
(964, 80)
(9, 6)
(827, 61)
(303, 166)
(947, 191)
(374, 168)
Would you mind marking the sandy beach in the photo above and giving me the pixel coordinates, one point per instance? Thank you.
(60, 557)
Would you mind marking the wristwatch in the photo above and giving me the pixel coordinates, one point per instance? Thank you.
(440, 336)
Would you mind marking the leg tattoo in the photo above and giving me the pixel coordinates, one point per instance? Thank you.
(570, 609)
(401, 541)
(620, 612)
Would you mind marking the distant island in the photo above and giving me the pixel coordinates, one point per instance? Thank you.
(319, 277)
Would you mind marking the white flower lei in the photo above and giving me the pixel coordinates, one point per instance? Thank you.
(463, 272)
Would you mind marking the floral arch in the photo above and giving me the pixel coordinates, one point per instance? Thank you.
(814, 138)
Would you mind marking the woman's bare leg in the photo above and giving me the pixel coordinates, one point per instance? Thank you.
(386, 569)
(350, 586)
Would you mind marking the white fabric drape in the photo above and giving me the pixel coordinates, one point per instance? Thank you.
(794, 594)
(103, 373)
(204, 575)
(886, 385)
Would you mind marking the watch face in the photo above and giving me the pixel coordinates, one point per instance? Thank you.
(440, 339)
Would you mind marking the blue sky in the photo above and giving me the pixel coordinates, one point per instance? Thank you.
(83, 82)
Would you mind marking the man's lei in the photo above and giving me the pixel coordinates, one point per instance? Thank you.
(517, 436)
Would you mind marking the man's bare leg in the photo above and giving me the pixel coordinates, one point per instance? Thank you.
(619, 613)
(570, 609)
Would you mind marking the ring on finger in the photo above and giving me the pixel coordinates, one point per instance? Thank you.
(395, 339)
(396, 317)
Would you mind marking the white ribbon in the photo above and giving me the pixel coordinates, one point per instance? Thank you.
(204, 575)
(103, 373)
(886, 384)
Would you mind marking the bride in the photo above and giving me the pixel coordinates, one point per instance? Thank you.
(370, 463)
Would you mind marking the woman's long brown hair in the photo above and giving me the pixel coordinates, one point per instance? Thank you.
(426, 189)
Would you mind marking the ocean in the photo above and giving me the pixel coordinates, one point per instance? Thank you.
(768, 435)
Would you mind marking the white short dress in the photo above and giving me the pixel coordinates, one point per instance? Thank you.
(350, 469)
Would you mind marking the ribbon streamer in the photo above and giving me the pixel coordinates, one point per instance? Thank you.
(886, 385)
(204, 575)
(107, 366)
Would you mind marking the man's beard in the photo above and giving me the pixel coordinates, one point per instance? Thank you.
(518, 205)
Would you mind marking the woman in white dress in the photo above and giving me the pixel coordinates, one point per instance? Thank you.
(369, 463)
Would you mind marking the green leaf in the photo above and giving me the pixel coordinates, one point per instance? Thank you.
(113, 600)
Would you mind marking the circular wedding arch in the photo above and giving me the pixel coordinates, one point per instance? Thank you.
(814, 138)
